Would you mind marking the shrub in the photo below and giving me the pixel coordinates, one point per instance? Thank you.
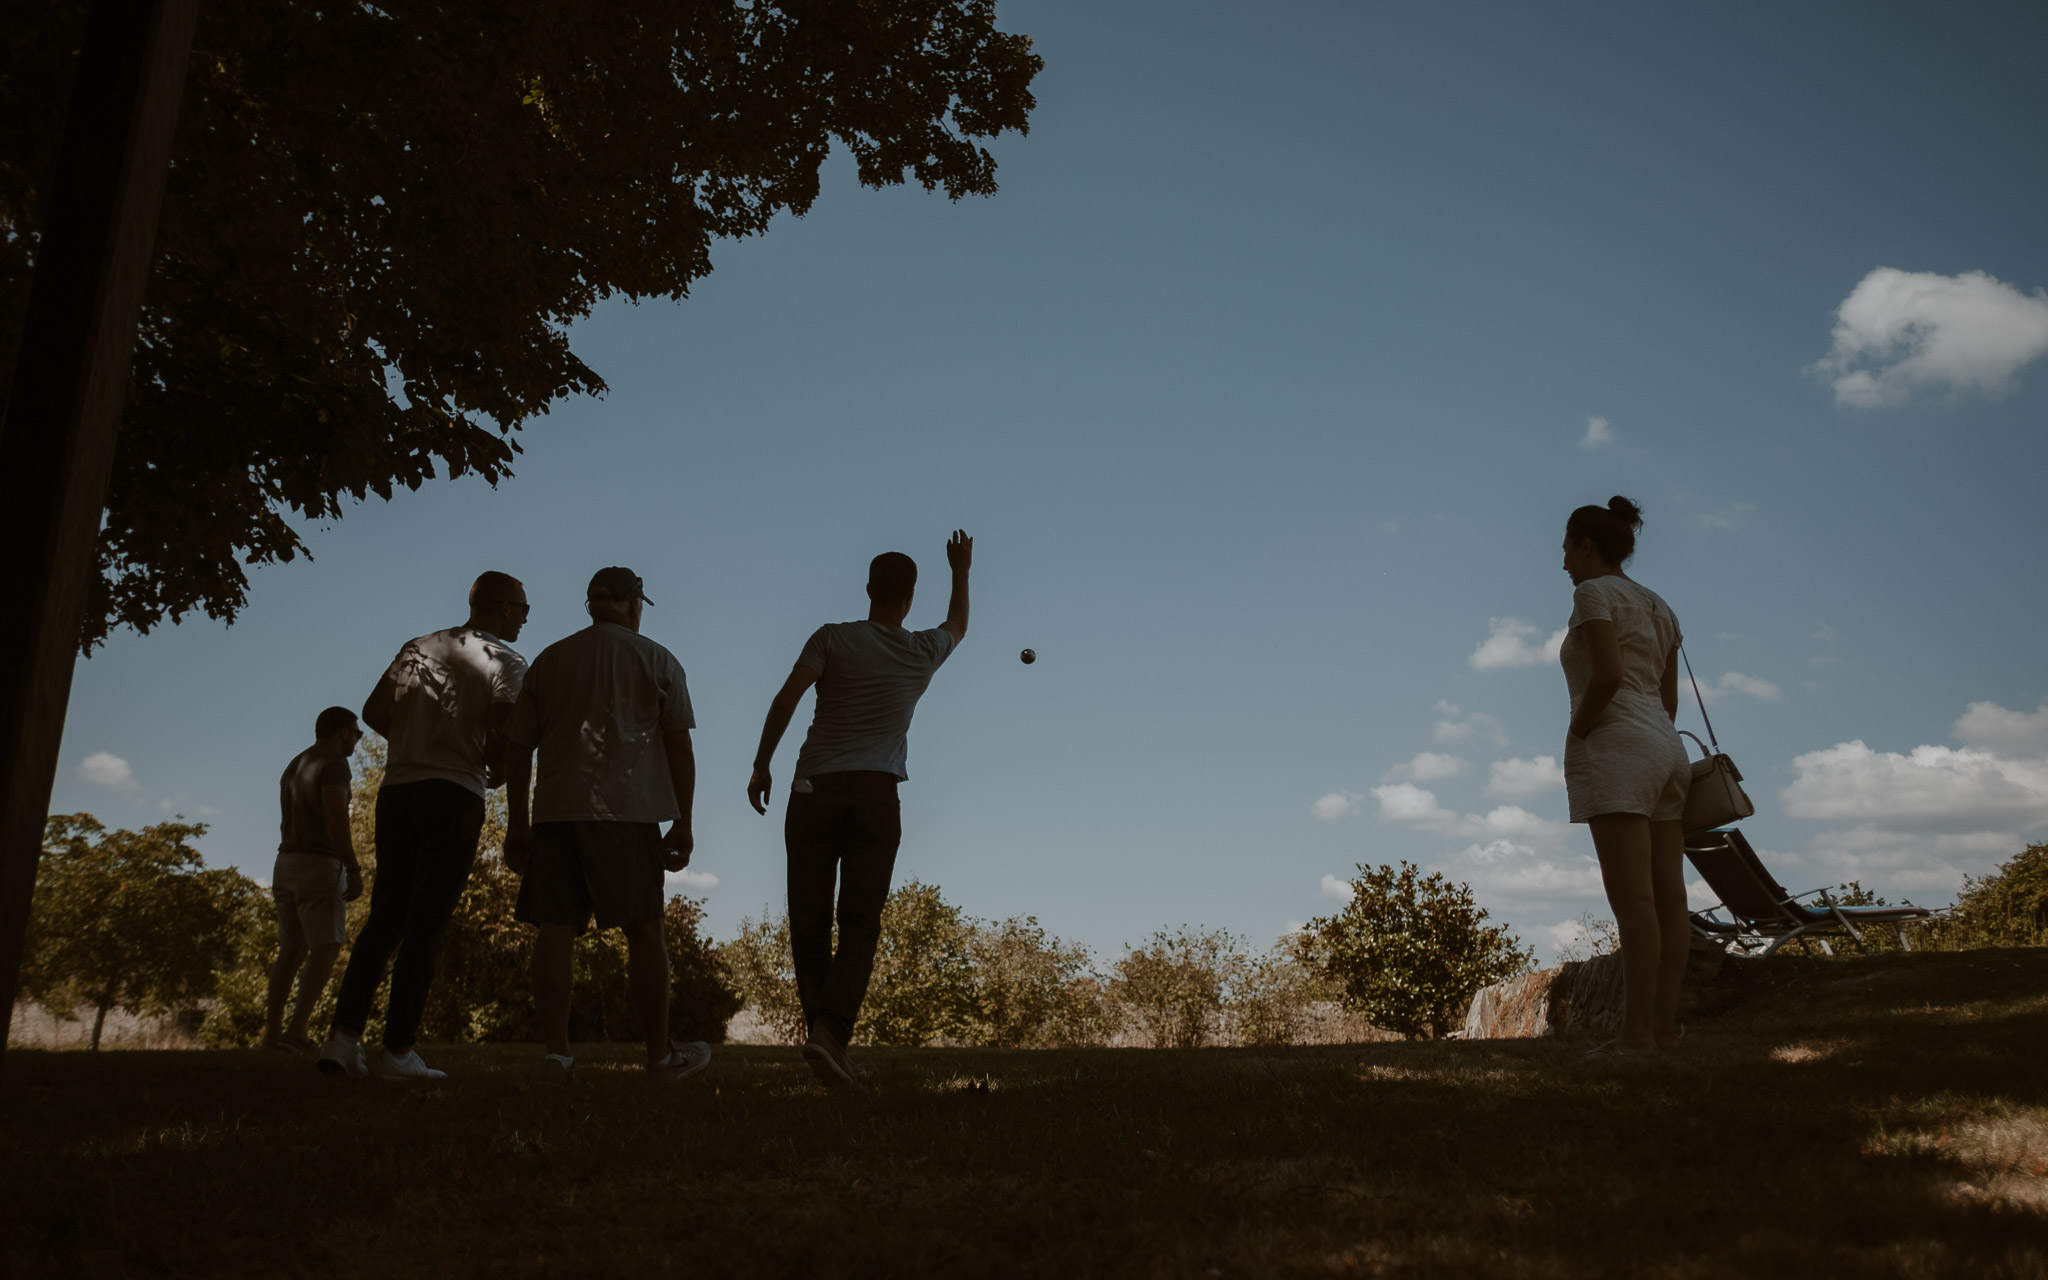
(1410, 951)
(1173, 987)
(1275, 997)
(1031, 990)
(765, 976)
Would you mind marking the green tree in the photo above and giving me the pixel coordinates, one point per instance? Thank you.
(1410, 951)
(1174, 987)
(382, 220)
(129, 919)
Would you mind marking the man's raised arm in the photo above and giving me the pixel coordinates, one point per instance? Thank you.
(779, 711)
(959, 555)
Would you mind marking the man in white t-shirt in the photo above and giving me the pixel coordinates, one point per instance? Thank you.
(609, 711)
(442, 707)
(844, 823)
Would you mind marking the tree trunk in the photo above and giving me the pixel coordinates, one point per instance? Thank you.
(99, 1021)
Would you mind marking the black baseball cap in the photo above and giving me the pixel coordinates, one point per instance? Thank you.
(616, 583)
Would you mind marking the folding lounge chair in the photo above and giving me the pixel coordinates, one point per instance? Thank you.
(1766, 916)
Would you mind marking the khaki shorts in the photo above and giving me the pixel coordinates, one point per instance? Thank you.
(311, 911)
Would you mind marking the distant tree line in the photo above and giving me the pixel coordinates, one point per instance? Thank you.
(133, 920)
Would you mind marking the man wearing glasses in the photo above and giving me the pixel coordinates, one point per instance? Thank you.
(442, 706)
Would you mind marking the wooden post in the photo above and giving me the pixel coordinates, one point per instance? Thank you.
(63, 409)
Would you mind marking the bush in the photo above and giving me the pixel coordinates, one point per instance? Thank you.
(1275, 998)
(940, 977)
(1031, 990)
(1410, 951)
(1173, 988)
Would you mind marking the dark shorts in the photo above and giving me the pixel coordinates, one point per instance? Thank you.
(608, 869)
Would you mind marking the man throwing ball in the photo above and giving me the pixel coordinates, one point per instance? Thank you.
(843, 822)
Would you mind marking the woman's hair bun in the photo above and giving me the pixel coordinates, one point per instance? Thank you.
(1626, 511)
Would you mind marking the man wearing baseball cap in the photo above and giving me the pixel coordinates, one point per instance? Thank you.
(609, 711)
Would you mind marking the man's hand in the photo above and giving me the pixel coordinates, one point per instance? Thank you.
(757, 789)
(354, 888)
(677, 846)
(959, 551)
(518, 849)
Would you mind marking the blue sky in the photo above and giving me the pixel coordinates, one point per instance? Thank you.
(1265, 385)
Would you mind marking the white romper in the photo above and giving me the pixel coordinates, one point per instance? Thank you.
(1633, 761)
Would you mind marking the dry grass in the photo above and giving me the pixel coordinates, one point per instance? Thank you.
(1885, 1116)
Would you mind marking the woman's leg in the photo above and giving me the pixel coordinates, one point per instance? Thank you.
(1674, 924)
(1623, 842)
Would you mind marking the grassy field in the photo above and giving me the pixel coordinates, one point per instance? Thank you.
(1885, 1116)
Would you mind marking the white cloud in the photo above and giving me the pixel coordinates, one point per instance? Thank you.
(1333, 888)
(1458, 726)
(1932, 788)
(1427, 766)
(107, 770)
(2023, 734)
(1727, 517)
(1736, 682)
(1513, 643)
(1335, 805)
(1520, 779)
(1517, 870)
(1598, 433)
(1902, 331)
(690, 878)
(1411, 806)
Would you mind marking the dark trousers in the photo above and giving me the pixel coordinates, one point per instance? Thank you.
(426, 844)
(845, 830)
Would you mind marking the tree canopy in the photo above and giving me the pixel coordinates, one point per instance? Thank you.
(382, 218)
(128, 919)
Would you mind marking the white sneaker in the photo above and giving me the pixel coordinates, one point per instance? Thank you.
(556, 1069)
(342, 1056)
(828, 1059)
(404, 1066)
(682, 1060)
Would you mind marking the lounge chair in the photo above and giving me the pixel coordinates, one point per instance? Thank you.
(1763, 914)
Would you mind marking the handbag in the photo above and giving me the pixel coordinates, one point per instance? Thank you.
(1716, 798)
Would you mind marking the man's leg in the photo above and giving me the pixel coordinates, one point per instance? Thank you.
(398, 848)
(313, 984)
(449, 829)
(289, 956)
(873, 830)
(810, 836)
(554, 960)
(647, 983)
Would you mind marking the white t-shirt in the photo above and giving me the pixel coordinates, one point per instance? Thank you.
(446, 683)
(869, 680)
(597, 703)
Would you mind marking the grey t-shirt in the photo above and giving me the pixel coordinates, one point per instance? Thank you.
(446, 683)
(869, 680)
(304, 829)
(597, 703)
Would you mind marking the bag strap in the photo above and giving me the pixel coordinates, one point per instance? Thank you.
(1704, 717)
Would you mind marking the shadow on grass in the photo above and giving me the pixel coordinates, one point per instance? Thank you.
(1875, 1117)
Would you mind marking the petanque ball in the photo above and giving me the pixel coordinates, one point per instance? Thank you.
(1028, 656)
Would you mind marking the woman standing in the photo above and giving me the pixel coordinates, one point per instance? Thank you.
(1625, 770)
